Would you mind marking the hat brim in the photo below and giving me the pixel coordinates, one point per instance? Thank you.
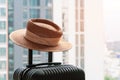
(18, 38)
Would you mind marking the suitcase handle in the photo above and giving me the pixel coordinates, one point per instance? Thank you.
(50, 63)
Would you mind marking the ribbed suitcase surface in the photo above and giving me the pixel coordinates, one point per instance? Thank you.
(58, 72)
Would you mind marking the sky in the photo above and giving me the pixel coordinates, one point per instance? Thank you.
(111, 12)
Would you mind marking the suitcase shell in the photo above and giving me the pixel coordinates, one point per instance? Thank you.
(50, 72)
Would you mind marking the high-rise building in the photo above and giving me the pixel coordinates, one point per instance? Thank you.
(3, 40)
(23, 11)
(79, 35)
(10, 43)
(74, 32)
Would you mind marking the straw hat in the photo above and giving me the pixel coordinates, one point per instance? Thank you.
(40, 34)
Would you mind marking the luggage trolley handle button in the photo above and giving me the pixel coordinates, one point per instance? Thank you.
(50, 63)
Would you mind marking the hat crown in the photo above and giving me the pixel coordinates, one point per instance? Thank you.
(44, 28)
(43, 31)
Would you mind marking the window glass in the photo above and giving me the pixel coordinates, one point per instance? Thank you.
(11, 65)
(82, 63)
(48, 3)
(2, 25)
(48, 13)
(10, 50)
(2, 12)
(2, 1)
(11, 74)
(82, 39)
(34, 2)
(10, 29)
(24, 2)
(10, 4)
(82, 51)
(2, 65)
(10, 21)
(2, 77)
(2, 52)
(25, 14)
(25, 51)
(34, 13)
(24, 24)
(2, 38)
(10, 18)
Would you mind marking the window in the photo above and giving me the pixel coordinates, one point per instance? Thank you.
(82, 26)
(49, 13)
(2, 12)
(24, 24)
(77, 39)
(11, 65)
(48, 2)
(10, 50)
(2, 52)
(11, 4)
(10, 20)
(34, 2)
(10, 29)
(34, 13)
(10, 74)
(2, 77)
(82, 63)
(2, 38)
(2, 65)
(82, 39)
(2, 25)
(24, 2)
(2, 1)
(82, 51)
(25, 14)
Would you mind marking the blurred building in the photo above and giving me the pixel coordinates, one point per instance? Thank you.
(22, 11)
(73, 27)
(81, 22)
(14, 14)
(3, 40)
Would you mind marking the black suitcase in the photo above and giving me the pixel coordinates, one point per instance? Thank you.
(49, 71)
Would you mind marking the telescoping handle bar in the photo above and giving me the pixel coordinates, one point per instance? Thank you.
(30, 56)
